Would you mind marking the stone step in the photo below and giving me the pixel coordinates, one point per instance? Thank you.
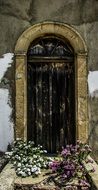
(7, 178)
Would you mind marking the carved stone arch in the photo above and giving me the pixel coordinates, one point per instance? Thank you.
(66, 32)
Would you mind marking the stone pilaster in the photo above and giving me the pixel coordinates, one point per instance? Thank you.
(82, 98)
(20, 94)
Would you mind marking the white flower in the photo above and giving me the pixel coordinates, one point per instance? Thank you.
(20, 172)
(34, 169)
(29, 173)
(45, 151)
(7, 156)
(30, 166)
(41, 159)
(38, 172)
(35, 148)
(30, 161)
(28, 169)
(19, 158)
(23, 174)
(34, 161)
(39, 165)
(9, 153)
(24, 168)
(26, 165)
(19, 165)
(18, 169)
(41, 151)
(16, 156)
(34, 156)
(24, 159)
(20, 146)
(44, 165)
(14, 162)
(21, 154)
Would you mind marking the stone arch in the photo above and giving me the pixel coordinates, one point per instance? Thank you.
(66, 32)
(38, 30)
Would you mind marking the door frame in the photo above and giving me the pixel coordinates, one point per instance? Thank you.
(81, 89)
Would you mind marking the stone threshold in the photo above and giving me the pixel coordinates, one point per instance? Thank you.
(9, 180)
(36, 183)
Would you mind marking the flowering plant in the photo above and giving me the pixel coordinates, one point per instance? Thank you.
(67, 170)
(28, 159)
(70, 169)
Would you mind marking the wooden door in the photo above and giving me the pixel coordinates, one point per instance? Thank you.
(50, 105)
(50, 95)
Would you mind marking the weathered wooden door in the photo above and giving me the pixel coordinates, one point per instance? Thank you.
(50, 94)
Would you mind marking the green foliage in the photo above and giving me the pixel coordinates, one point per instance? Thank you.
(27, 159)
(66, 171)
(70, 167)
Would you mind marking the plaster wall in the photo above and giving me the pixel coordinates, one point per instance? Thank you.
(6, 124)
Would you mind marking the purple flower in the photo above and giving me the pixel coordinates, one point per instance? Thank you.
(84, 183)
(64, 176)
(80, 167)
(54, 166)
(69, 167)
(68, 173)
(65, 153)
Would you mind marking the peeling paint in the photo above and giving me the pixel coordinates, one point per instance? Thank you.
(93, 83)
(6, 126)
(5, 62)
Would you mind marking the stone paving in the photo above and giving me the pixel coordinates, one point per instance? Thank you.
(93, 177)
(9, 180)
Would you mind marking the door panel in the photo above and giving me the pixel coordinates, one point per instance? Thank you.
(50, 104)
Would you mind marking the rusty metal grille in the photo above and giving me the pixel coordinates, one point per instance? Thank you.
(50, 48)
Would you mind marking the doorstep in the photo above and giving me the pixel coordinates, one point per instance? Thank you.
(37, 183)
(7, 178)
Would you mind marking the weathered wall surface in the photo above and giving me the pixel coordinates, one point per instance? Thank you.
(16, 16)
(6, 124)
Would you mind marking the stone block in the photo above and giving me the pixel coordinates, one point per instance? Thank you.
(82, 87)
(83, 130)
(82, 109)
(82, 65)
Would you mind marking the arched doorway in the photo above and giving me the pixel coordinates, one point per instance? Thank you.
(51, 93)
(72, 38)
